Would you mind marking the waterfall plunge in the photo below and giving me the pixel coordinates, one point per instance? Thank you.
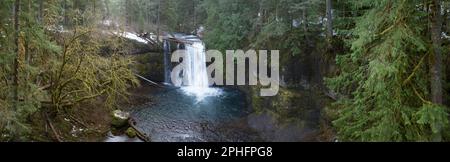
(196, 74)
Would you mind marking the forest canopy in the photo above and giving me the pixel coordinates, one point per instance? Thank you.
(386, 61)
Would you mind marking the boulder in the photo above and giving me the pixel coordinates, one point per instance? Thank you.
(131, 132)
(120, 119)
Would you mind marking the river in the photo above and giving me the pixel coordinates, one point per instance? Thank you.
(196, 112)
(178, 117)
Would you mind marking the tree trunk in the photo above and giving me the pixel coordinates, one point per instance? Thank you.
(66, 15)
(159, 21)
(41, 12)
(27, 53)
(94, 5)
(127, 16)
(147, 14)
(305, 27)
(194, 22)
(329, 22)
(16, 60)
(107, 12)
(436, 58)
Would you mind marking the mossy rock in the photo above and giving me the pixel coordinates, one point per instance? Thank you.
(131, 132)
(120, 119)
(116, 131)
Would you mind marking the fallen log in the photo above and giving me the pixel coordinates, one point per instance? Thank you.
(332, 95)
(55, 133)
(151, 41)
(77, 121)
(148, 80)
(139, 134)
(176, 40)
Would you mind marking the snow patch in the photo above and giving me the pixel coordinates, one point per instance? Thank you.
(131, 36)
(445, 35)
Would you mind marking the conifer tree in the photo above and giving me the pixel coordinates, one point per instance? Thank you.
(385, 77)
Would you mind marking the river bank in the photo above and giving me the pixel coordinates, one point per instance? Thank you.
(86, 122)
(254, 123)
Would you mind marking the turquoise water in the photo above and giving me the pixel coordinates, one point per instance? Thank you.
(179, 117)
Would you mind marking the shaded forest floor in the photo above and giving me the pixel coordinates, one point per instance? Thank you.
(87, 122)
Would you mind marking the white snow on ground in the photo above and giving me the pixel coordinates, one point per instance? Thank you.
(132, 36)
(445, 36)
(107, 22)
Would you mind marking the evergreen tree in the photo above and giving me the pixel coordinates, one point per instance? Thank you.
(46, 68)
(385, 77)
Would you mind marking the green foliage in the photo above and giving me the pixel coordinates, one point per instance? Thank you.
(174, 15)
(229, 23)
(386, 79)
(264, 24)
(57, 69)
(81, 74)
(31, 42)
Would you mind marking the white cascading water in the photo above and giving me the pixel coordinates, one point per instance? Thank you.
(196, 74)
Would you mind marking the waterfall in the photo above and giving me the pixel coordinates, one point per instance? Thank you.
(196, 73)
(196, 82)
